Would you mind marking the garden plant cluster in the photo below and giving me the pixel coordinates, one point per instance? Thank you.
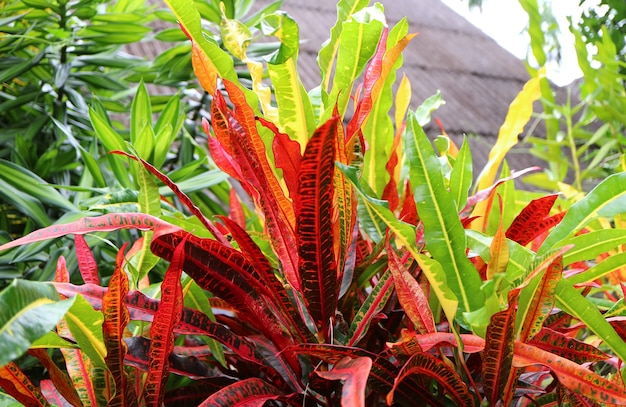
(246, 241)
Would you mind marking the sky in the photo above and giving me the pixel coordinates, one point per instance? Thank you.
(505, 20)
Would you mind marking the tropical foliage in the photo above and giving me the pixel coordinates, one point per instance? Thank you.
(354, 263)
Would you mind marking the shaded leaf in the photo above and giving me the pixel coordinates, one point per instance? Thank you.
(249, 393)
(443, 374)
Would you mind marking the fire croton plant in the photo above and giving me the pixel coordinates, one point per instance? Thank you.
(358, 265)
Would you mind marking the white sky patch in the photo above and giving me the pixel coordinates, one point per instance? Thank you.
(505, 20)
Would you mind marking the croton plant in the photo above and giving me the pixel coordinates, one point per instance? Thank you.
(358, 265)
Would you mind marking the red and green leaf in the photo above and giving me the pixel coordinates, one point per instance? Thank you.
(246, 393)
(60, 381)
(353, 373)
(534, 220)
(567, 347)
(411, 296)
(162, 329)
(116, 319)
(498, 355)
(542, 301)
(317, 265)
(226, 273)
(77, 365)
(287, 157)
(104, 223)
(255, 174)
(426, 342)
(86, 262)
(423, 364)
(16, 384)
(372, 306)
(575, 377)
(264, 272)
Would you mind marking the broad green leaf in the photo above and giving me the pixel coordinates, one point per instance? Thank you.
(405, 234)
(52, 340)
(373, 304)
(295, 112)
(606, 266)
(85, 324)
(28, 310)
(358, 40)
(443, 232)
(605, 200)
(572, 302)
(328, 53)
(587, 246)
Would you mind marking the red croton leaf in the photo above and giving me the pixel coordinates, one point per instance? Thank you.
(533, 220)
(498, 355)
(249, 159)
(543, 300)
(287, 157)
(566, 347)
(162, 329)
(116, 319)
(53, 395)
(59, 381)
(227, 274)
(410, 295)
(246, 393)
(265, 275)
(438, 370)
(77, 365)
(575, 377)
(86, 262)
(317, 266)
(104, 223)
(16, 384)
(353, 373)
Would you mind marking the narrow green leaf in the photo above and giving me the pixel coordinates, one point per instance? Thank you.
(140, 115)
(33, 185)
(606, 200)
(572, 302)
(461, 176)
(443, 232)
